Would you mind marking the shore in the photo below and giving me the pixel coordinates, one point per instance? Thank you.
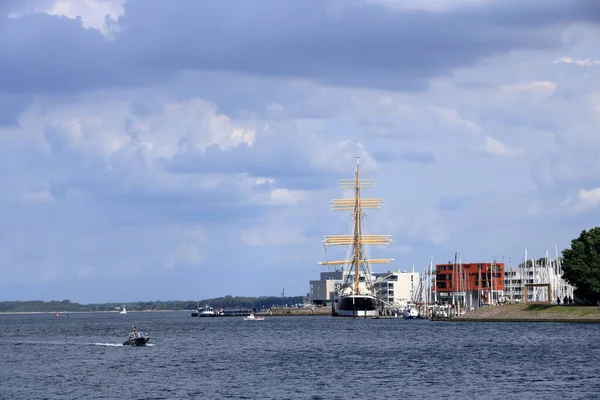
(274, 312)
(531, 313)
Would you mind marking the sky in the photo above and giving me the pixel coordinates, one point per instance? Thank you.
(169, 150)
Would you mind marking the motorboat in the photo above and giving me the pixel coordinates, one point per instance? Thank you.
(411, 312)
(252, 317)
(206, 311)
(136, 338)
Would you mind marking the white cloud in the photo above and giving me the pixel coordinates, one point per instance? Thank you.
(101, 15)
(452, 117)
(495, 148)
(587, 62)
(94, 14)
(587, 199)
(541, 88)
(288, 197)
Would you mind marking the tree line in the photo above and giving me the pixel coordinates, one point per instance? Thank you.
(226, 302)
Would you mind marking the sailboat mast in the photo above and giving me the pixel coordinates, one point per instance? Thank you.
(357, 219)
(357, 261)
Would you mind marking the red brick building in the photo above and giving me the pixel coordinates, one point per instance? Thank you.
(479, 282)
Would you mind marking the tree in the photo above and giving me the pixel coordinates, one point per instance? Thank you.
(581, 264)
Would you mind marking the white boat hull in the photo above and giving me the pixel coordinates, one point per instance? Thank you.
(206, 314)
(359, 313)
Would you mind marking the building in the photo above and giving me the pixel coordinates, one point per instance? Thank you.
(543, 270)
(323, 291)
(399, 288)
(469, 284)
(396, 289)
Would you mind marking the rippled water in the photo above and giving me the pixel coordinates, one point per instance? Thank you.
(80, 357)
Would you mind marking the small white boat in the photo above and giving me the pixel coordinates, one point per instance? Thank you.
(411, 313)
(206, 311)
(123, 311)
(251, 317)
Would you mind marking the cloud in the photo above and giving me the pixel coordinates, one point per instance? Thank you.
(268, 39)
(130, 152)
(422, 157)
(432, 5)
(495, 148)
(101, 15)
(582, 63)
(586, 199)
(451, 116)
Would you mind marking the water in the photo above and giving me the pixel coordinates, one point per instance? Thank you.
(80, 357)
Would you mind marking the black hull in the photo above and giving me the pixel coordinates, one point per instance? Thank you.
(359, 306)
(137, 341)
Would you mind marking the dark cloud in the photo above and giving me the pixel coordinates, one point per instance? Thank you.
(341, 43)
(11, 106)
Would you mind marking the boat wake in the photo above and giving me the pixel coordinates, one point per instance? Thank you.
(118, 344)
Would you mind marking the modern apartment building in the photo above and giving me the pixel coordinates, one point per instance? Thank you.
(469, 284)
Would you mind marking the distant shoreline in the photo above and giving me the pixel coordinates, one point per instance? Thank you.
(532, 313)
(277, 312)
(86, 312)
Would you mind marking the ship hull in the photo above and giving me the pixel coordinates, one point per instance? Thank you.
(138, 341)
(357, 306)
(206, 314)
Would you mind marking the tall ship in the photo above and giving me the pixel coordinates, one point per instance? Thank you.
(357, 296)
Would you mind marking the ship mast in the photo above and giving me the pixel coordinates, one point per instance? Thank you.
(357, 240)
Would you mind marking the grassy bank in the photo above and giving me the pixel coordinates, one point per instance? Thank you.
(532, 313)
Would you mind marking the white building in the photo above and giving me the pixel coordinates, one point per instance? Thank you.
(400, 288)
(544, 270)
